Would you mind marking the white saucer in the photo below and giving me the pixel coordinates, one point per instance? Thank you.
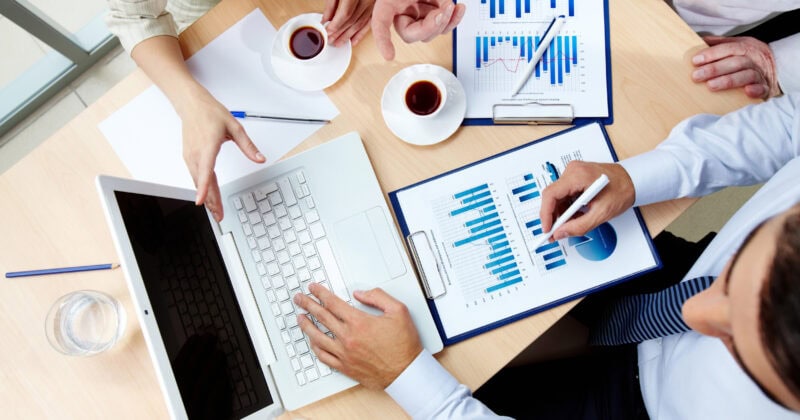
(416, 130)
(317, 75)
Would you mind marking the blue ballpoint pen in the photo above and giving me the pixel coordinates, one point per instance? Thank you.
(245, 114)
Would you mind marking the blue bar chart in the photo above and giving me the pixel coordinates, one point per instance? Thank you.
(525, 10)
(480, 244)
(495, 47)
(527, 191)
(525, 198)
(551, 256)
(475, 234)
(501, 59)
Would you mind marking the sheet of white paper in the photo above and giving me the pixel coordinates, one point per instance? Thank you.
(482, 221)
(235, 68)
(496, 40)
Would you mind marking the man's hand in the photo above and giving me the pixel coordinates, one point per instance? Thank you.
(206, 125)
(732, 62)
(349, 19)
(373, 350)
(414, 20)
(614, 199)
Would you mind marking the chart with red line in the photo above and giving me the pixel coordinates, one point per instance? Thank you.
(496, 41)
(501, 59)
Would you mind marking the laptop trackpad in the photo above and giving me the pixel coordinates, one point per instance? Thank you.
(368, 249)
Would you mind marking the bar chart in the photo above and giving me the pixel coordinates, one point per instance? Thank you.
(526, 202)
(501, 59)
(525, 10)
(480, 249)
(528, 190)
(551, 256)
(483, 227)
(497, 39)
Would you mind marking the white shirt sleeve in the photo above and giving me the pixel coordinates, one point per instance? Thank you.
(787, 62)
(728, 17)
(426, 390)
(134, 21)
(706, 153)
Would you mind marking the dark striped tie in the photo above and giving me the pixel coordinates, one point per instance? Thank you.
(637, 318)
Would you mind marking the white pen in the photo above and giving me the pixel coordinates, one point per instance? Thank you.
(547, 37)
(584, 199)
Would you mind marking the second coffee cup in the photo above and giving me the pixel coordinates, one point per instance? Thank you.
(425, 95)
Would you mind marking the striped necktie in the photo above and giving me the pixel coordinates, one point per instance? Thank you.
(636, 318)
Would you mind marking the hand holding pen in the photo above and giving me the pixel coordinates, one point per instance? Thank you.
(614, 199)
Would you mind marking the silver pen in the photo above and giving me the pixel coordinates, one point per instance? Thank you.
(552, 30)
(244, 114)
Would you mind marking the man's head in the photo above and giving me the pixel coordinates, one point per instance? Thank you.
(754, 307)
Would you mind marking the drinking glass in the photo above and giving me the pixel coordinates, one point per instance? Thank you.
(84, 323)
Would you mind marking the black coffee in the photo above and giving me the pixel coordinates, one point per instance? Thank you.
(423, 98)
(306, 42)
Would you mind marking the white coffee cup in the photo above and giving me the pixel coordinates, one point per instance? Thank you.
(309, 36)
(424, 95)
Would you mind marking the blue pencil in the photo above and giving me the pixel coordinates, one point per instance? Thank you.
(61, 270)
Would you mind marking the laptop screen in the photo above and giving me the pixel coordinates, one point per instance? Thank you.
(209, 348)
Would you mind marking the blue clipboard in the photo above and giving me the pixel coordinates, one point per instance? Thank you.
(545, 113)
(435, 290)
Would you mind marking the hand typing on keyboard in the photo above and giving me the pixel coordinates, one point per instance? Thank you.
(373, 350)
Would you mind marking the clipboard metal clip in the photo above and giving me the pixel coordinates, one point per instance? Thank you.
(532, 113)
(428, 267)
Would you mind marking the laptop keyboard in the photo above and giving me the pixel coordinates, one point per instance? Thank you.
(290, 249)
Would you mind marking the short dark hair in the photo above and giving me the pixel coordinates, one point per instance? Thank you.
(780, 305)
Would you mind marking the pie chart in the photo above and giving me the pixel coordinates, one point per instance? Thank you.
(598, 244)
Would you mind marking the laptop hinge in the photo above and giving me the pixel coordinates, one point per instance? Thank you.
(214, 224)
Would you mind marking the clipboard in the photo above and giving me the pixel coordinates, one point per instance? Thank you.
(544, 106)
(468, 229)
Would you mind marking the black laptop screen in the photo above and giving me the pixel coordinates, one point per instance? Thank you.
(192, 299)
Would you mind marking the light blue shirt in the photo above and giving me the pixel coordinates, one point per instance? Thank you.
(683, 376)
(691, 376)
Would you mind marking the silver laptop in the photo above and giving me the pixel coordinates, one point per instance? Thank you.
(214, 299)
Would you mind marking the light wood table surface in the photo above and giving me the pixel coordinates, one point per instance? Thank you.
(51, 215)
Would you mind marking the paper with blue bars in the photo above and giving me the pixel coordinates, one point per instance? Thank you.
(482, 220)
(496, 39)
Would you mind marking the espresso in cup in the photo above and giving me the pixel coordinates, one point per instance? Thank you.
(306, 42)
(423, 98)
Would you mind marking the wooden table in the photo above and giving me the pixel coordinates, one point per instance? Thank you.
(52, 215)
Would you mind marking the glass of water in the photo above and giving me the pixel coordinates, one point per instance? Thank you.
(84, 323)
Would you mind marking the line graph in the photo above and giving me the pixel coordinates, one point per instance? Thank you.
(500, 59)
(496, 39)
